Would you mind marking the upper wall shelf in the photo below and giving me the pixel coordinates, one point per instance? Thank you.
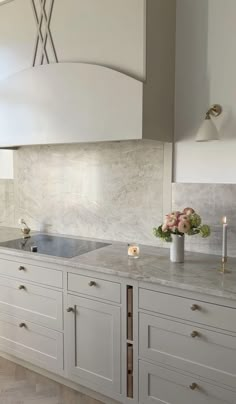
(109, 79)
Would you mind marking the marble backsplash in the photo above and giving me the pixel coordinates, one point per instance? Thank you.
(112, 191)
(7, 207)
(212, 202)
(105, 190)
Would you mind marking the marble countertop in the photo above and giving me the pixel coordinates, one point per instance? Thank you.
(199, 273)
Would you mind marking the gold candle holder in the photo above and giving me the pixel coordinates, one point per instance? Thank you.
(223, 269)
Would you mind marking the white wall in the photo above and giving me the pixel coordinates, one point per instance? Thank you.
(6, 164)
(205, 74)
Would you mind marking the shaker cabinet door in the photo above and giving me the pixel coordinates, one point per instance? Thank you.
(93, 344)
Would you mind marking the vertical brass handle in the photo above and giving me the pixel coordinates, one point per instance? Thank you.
(70, 310)
(195, 307)
(193, 386)
(21, 268)
(21, 287)
(22, 325)
(92, 283)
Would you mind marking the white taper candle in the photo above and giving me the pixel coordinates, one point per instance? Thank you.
(224, 241)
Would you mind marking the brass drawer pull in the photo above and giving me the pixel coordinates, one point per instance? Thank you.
(21, 287)
(70, 310)
(92, 283)
(193, 386)
(195, 334)
(195, 307)
(22, 325)
(21, 268)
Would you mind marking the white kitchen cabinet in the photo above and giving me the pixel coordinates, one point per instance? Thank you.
(95, 288)
(32, 302)
(106, 72)
(30, 271)
(31, 342)
(167, 386)
(93, 347)
(214, 314)
(31, 314)
(179, 345)
(187, 348)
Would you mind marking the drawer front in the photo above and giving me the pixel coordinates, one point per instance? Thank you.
(188, 309)
(192, 348)
(160, 385)
(33, 273)
(32, 303)
(94, 287)
(32, 343)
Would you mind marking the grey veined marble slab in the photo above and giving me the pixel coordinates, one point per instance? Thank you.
(199, 273)
(104, 190)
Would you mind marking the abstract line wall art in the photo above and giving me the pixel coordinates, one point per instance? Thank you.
(43, 15)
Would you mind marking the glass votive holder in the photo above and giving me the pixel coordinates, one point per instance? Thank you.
(133, 251)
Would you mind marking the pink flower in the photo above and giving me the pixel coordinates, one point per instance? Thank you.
(184, 226)
(188, 211)
(183, 217)
(175, 213)
(164, 227)
(172, 221)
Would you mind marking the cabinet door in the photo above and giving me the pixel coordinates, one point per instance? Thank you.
(93, 344)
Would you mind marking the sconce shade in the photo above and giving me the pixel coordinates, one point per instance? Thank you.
(207, 131)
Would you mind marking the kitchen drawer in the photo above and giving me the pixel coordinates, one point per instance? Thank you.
(189, 309)
(161, 385)
(33, 273)
(31, 302)
(190, 347)
(94, 287)
(31, 342)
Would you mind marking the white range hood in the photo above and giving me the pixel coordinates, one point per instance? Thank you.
(69, 103)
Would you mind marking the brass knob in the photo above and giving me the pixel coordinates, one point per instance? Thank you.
(193, 386)
(70, 309)
(194, 334)
(92, 283)
(21, 268)
(195, 307)
(22, 325)
(21, 287)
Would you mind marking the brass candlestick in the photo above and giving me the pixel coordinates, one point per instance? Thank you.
(223, 269)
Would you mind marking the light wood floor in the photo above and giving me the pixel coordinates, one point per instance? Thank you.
(22, 386)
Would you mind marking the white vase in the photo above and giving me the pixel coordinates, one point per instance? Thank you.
(177, 248)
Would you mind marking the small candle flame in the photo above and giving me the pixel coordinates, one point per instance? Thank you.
(224, 220)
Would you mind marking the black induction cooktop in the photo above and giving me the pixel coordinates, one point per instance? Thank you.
(64, 247)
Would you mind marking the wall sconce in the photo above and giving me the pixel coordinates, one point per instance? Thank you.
(207, 130)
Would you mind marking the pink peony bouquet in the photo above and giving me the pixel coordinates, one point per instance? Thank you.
(181, 223)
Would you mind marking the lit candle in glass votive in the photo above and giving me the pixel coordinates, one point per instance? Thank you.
(224, 240)
(133, 250)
